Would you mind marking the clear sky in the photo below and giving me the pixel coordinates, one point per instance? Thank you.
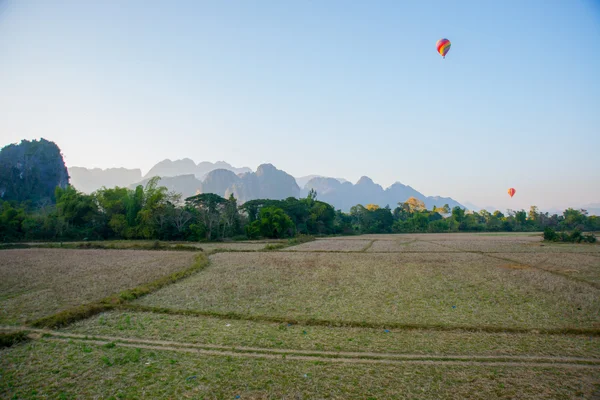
(337, 88)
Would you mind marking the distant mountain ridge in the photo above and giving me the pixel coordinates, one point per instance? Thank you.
(89, 180)
(188, 178)
(303, 180)
(365, 191)
(267, 182)
(187, 166)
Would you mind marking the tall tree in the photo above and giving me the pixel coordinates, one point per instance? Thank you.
(209, 207)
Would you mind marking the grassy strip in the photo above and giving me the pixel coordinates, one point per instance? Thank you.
(10, 246)
(156, 245)
(358, 324)
(368, 246)
(71, 315)
(8, 339)
(291, 242)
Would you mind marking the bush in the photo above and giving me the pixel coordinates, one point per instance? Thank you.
(590, 238)
(276, 246)
(300, 239)
(550, 235)
(575, 237)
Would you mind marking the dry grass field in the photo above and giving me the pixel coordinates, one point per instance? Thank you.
(431, 316)
(407, 246)
(420, 289)
(333, 245)
(37, 282)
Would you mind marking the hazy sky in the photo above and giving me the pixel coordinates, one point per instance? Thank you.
(338, 88)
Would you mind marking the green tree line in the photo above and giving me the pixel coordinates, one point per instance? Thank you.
(151, 212)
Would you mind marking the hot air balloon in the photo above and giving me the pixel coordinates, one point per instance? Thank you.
(443, 46)
(512, 192)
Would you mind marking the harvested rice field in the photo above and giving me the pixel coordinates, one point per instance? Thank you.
(35, 283)
(398, 246)
(431, 316)
(427, 289)
(333, 245)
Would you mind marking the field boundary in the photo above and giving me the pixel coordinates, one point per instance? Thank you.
(368, 246)
(80, 312)
(155, 246)
(358, 324)
(537, 266)
(314, 355)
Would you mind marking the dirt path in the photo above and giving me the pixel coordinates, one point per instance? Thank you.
(315, 355)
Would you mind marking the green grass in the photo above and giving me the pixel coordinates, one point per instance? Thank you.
(51, 369)
(418, 290)
(227, 332)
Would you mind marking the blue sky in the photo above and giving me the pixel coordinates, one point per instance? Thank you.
(337, 88)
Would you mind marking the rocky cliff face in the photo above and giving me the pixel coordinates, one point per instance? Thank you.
(31, 171)
(267, 182)
(218, 181)
(275, 184)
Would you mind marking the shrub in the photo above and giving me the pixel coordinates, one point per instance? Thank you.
(575, 237)
(276, 246)
(298, 239)
(590, 238)
(550, 235)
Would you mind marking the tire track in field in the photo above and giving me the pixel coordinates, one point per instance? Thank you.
(317, 355)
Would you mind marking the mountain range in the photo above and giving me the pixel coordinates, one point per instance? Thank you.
(267, 182)
(187, 166)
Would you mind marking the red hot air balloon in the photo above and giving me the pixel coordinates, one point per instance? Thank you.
(443, 47)
(512, 192)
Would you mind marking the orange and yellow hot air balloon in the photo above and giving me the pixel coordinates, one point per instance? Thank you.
(443, 47)
(512, 192)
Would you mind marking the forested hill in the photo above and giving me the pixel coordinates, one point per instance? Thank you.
(31, 171)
